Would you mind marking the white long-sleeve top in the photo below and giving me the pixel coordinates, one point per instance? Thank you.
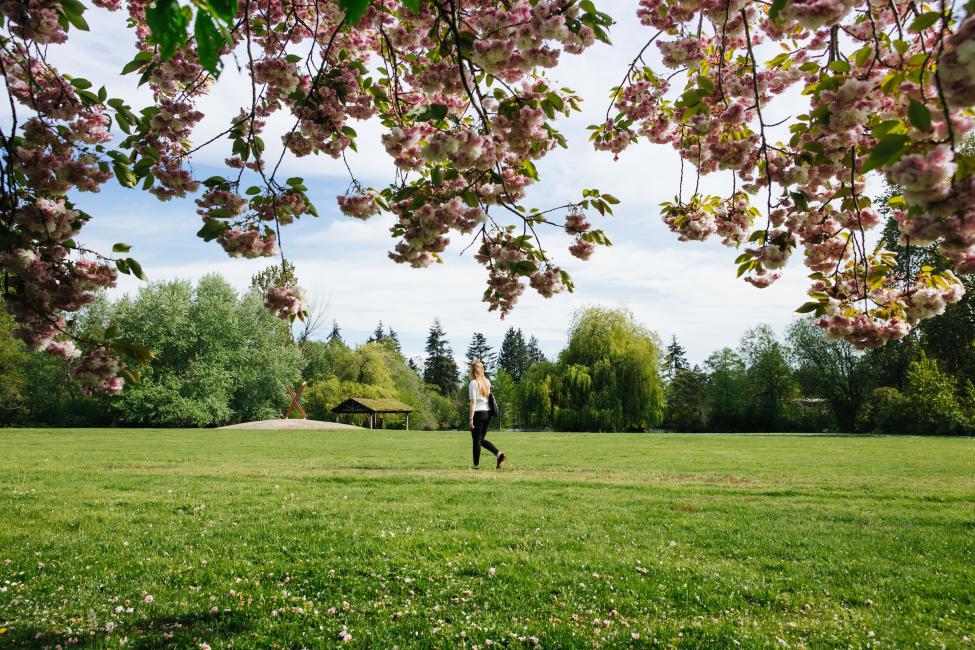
(480, 401)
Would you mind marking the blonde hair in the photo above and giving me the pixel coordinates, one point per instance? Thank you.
(477, 374)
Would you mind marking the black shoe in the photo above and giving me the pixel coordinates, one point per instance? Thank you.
(501, 459)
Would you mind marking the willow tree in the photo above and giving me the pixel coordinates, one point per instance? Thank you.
(609, 377)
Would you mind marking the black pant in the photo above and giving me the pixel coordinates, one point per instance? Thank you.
(481, 421)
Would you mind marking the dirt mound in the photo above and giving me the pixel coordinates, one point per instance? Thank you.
(277, 425)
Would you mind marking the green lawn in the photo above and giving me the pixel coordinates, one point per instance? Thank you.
(259, 539)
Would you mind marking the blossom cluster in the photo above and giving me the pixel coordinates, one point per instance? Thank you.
(468, 116)
(285, 302)
(45, 274)
(889, 90)
(899, 308)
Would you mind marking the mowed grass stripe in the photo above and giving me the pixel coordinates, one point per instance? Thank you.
(688, 541)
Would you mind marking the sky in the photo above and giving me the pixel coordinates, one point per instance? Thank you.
(687, 290)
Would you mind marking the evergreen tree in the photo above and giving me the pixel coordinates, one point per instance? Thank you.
(513, 358)
(479, 349)
(440, 369)
(393, 339)
(414, 366)
(533, 353)
(336, 333)
(377, 335)
(675, 359)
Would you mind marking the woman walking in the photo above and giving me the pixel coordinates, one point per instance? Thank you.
(480, 388)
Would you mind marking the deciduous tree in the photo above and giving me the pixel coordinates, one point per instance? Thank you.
(771, 386)
(830, 369)
(609, 378)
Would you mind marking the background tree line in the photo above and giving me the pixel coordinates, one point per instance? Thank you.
(220, 358)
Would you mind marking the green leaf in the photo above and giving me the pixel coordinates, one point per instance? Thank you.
(123, 122)
(438, 111)
(412, 5)
(212, 229)
(209, 42)
(121, 248)
(924, 21)
(840, 66)
(705, 84)
(168, 23)
(354, 10)
(919, 115)
(889, 126)
(136, 269)
(137, 62)
(225, 10)
(88, 96)
(776, 9)
(72, 10)
(808, 307)
(691, 98)
(863, 55)
(548, 109)
(888, 149)
(124, 174)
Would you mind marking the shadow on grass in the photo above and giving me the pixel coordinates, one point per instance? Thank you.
(180, 631)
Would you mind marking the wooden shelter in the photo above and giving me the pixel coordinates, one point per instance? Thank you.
(374, 407)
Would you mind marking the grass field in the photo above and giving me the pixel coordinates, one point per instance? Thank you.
(252, 539)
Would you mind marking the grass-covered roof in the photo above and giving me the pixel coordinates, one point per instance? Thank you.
(364, 405)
